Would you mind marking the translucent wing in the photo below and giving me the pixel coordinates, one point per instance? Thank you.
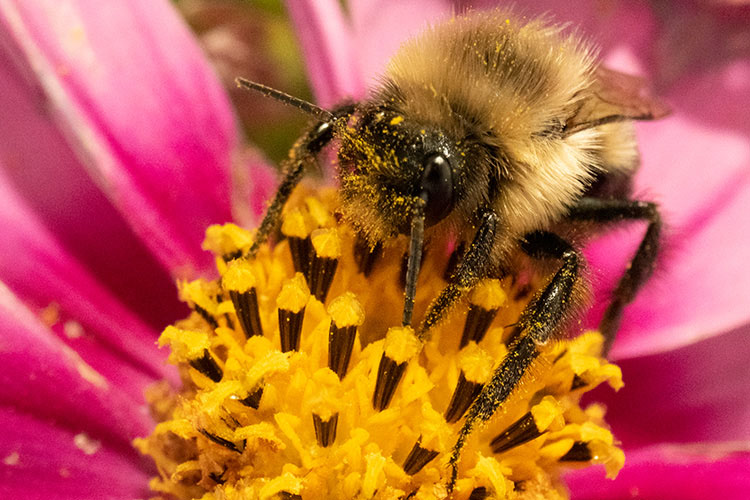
(616, 97)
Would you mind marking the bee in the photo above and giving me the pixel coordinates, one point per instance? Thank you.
(502, 133)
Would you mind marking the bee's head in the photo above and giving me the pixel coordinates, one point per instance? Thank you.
(387, 163)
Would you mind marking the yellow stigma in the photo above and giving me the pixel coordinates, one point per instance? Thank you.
(279, 362)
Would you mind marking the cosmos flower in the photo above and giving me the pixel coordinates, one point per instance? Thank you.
(117, 151)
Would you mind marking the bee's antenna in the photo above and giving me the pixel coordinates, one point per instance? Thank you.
(302, 105)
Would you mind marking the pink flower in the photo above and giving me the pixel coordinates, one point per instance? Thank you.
(117, 148)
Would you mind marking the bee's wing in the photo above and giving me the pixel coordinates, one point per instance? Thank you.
(616, 97)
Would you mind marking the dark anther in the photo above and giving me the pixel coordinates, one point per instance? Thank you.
(228, 257)
(285, 495)
(253, 399)
(479, 493)
(207, 366)
(217, 478)
(465, 393)
(577, 383)
(389, 375)
(322, 271)
(579, 452)
(290, 328)
(325, 430)
(365, 256)
(301, 250)
(246, 307)
(220, 441)
(206, 316)
(340, 345)
(418, 458)
(478, 321)
(519, 432)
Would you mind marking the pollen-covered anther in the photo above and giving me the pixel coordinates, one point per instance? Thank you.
(547, 414)
(325, 430)
(485, 301)
(401, 345)
(324, 260)
(418, 458)
(297, 230)
(253, 399)
(346, 315)
(476, 368)
(291, 303)
(239, 281)
(207, 366)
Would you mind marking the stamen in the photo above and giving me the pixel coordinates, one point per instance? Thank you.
(253, 399)
(297, 232)
(479, 493)
(365, 256)
(207, 366)
(521, 431)
(239, 280)
(346, 315)
(545, 415)
(291, 303)
(220, 441)
(325, 430)
(476, 369)
(325, 259)
(577, 383)
(418, 458)
(401, 345)
(579, 452)
(485, 301)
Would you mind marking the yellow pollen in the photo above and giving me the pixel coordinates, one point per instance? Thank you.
(278, 381)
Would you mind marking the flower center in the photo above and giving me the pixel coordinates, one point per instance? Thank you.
(298, 383)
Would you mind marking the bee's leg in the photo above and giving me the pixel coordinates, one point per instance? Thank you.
(541, 318)
(643, 262)
(474, 266)
(472, 269)
(302, 153)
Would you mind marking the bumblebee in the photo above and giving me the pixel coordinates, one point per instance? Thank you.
(503, 134)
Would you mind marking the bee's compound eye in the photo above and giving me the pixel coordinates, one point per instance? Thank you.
(437, 183)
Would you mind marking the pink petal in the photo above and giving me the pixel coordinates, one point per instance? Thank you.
(85, 315)
(670, 473)
(700, 392)
(381, 26)
(43, 461)
(130, 88)
(699, 171)
(42, 168)
(326, 42)
(43, 377)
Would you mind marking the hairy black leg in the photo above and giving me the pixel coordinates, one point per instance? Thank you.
(302, 153)
(643, 262)
(474, 266)
(537, 324)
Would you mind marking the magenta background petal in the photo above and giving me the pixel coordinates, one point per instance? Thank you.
(700, 392)
(129, 85)
(43, 377)
(381, 26)
(699, 172)
(40, 461)
(669, 473)
(325, 37)
(89, 319)
(42, 168)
